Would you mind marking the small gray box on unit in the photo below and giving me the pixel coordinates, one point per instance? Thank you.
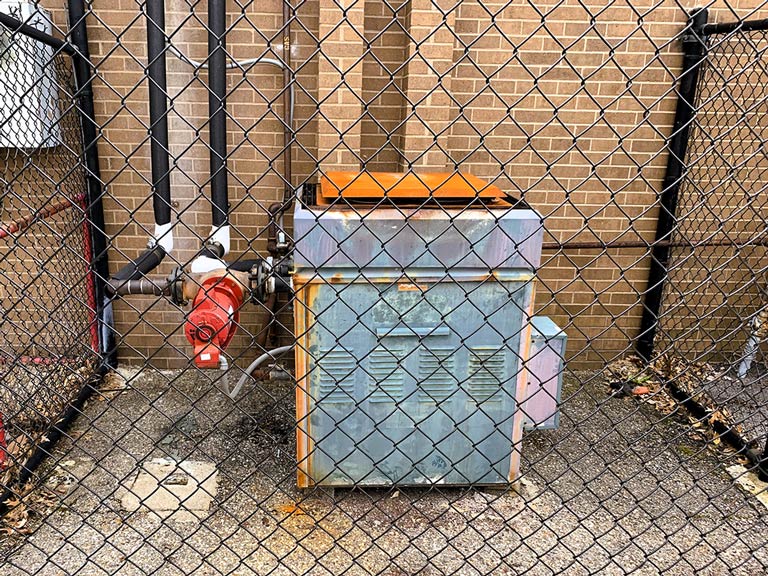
(545, 374)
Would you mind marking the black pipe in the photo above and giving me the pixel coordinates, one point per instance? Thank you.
(16, 25)
(158, 111)
(727, 27)
(243, 265)
(158, 134)
(271, 303)
(212, 250)
(288, 120)
(217, 89)
(694, 50)
(144, 264)
(78, 36)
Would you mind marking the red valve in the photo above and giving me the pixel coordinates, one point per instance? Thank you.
(214, 317)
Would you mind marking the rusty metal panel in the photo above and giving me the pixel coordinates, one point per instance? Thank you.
(416, 325)
(417, 238)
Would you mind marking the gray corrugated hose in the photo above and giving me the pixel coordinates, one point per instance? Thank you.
(271, 354)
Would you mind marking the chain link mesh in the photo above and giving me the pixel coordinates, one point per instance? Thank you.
(715, 294)
(48, 348)
(409, 348)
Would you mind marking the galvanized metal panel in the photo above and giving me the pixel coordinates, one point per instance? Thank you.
(414, 388)
(545, 371)
(427, 238)
(410, 363)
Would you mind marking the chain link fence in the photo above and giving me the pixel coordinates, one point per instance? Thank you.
(383, 287)
(714, 309)
(49, 346)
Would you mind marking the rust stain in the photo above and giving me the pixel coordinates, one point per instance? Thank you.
(311, 291)
(411, 287)
(302, 317)
(292, 509)
(522, 382)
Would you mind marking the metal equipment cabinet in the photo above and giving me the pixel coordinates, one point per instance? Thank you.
(412, 320)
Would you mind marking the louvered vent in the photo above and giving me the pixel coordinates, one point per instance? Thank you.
(337, 378)
(436, 368)
(385, 375)
(486, 374)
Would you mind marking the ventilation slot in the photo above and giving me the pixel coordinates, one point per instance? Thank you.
(486, 374)
(436, 380)
(337, 376)
(386, 376)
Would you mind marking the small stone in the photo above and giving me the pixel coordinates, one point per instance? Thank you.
(178, 479)
(640, 390)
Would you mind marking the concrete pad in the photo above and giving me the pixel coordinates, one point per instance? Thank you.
(750, 482)
(179, 490)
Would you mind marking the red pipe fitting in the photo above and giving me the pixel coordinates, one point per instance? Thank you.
(214, 317)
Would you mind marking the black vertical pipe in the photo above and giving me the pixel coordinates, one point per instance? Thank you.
(288, 119)
(694, 50)
(158, 111)
(217, 89)
(78, 37)
(158, 135)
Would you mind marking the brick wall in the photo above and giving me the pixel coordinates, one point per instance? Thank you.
(566, 104)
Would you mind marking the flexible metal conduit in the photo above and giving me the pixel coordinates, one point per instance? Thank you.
(270, 355)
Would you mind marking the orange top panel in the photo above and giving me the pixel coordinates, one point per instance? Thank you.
(372, 185)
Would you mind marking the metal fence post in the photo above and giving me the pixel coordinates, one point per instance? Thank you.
(99, 240)
(694, 51)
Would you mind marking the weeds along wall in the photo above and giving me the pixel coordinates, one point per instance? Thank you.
(573, 116)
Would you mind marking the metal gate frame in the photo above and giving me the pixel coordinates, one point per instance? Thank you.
(695, 50)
